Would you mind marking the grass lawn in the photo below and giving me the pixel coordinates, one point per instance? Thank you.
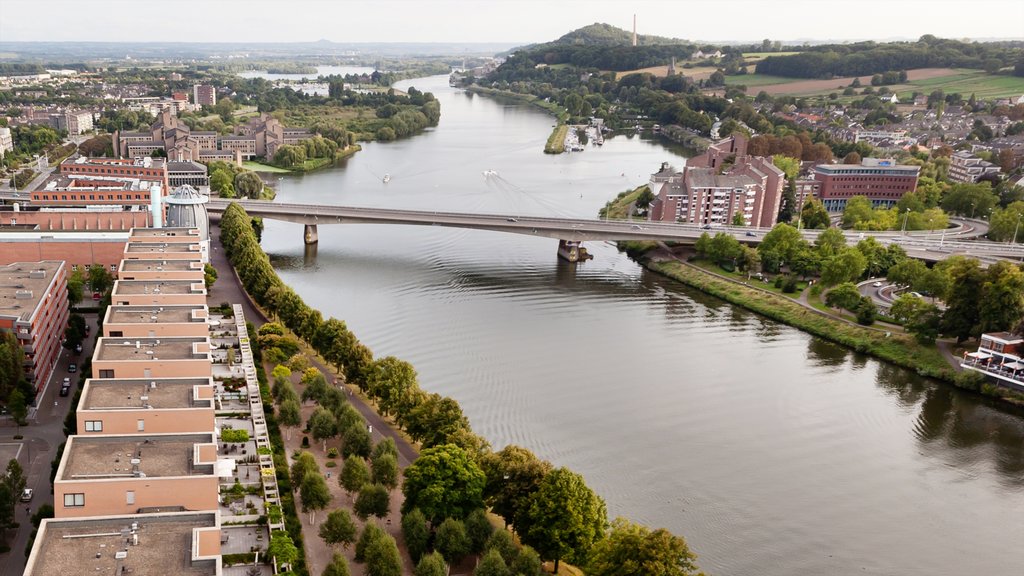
(754, 282)
(967, 82)
(755, 56)
(259, 167)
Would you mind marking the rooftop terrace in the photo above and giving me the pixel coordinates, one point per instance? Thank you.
(158, 233)
(135, 247)
(158, 265)
(22, 285)
(158, 287)
(178, 314)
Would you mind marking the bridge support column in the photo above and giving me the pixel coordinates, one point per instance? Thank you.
(573, 251)
(309, 234)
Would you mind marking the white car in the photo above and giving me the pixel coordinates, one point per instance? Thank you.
(877, 284)
(26, 494)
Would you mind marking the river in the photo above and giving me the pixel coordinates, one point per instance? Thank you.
(774, 453)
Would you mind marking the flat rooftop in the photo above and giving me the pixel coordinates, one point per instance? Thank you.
(121, 349)
(90, 546)
(157, 287)
(101, 457)
(23, 285)
(150, 314)
(135, 393)
(158, 233)
(160, 265)
(134, 247)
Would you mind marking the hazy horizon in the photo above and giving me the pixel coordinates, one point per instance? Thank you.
(512, 22)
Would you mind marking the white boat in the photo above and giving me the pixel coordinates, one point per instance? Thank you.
(387, 178)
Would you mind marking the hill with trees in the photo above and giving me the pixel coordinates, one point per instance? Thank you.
(606, 47)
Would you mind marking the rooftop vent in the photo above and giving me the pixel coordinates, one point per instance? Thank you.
(37, 274)
(23, 295)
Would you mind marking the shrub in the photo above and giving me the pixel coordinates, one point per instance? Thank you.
(305, 441)
(332, 452)
(234, 435)
(789, 284)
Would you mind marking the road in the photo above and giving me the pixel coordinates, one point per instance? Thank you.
(925, 245)
(42, 436)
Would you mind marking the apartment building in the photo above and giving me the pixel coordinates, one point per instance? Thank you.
(151, 357)
(113, 475)
(700, 195)
(881, 180)
(720, 151)
(6, 141)
(154, 270)
(75, 122)
(188, 172)
(34, 307)
(967, 168)
(179, 543)
(158, 292)
(162, 250)
(162, 405)
(156, 321)
(204, 95)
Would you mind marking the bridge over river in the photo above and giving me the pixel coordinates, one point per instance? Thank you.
(572, 232)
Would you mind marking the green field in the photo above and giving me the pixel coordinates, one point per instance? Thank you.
(983, 86)
(755, 56)
(258, 167)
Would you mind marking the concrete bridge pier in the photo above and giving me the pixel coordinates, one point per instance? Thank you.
(573, 251)
(309, 234)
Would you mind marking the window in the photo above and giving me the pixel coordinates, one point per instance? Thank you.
(94, 425)
(106, 373)
(74, 267)
(74, 500)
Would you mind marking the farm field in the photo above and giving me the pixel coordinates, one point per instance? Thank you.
(967, 82)
(949, 80)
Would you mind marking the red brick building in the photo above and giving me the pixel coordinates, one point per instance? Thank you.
(153, 169)
(34, 306)
(881, 180)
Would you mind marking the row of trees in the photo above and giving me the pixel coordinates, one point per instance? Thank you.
(456, 474)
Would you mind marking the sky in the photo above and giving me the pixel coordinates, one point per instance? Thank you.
(512, 21)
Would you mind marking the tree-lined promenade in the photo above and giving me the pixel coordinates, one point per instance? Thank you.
(447, 491)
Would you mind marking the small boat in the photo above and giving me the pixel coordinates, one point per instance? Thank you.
(387, 178)
(488, 173)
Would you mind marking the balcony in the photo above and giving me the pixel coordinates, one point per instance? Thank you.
(1010, 374)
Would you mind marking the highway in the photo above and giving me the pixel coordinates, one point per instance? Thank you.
(926, 245)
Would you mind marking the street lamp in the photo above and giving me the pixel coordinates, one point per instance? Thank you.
(1017, 227)
(906, 215)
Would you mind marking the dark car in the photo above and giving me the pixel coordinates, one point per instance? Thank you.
(751, 234)
(78, 348)
(65, 390)
(72, 367)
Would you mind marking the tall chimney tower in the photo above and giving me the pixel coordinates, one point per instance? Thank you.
(634, 29)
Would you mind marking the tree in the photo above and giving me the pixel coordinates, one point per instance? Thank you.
(444, 482)
(1001, 303)
(925, 324)
(566, 517)
(749, 260)
(432, 565)
(282, 549)
(354, 474)
(76, 285)
(356, 441)
(1004, 224)
(220, 181)
(846, 266)
(907, 272)
(814, 215)
(209, 275)
(451, 540)
(371, 533)
(970, 199)
(18, 406)
(315, 494)
(304, 464)
(844, 296)
(323, 426)
(738, 220)
(907, 307)
(338, 528)
(479, 530)
(492, 564)
(391, 381)
(415, 533)
(373, 500)
(502, 541)
(634, 550)
(249, 185)
(788, 200)
(74, 333)
(100, 278)
(829, 242)
(779, 245)
(528, 563)
(385, 446)
(337, 567)
(289, 415)
(383, 558)
(385, 470)
(852, 158)
(962, 315)
(723, 248)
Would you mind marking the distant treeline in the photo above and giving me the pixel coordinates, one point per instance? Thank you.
(863, 58)
(615, 58)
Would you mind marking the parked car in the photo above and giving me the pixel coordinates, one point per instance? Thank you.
(78, 348)
(65, 390)
(26, 495)
(751, 233)
(877, 284)
(72, 367)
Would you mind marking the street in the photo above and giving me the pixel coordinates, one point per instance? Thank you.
(42, 436)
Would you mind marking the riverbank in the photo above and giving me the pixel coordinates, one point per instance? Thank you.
(900, 349)
(552, 108)
(556, 142)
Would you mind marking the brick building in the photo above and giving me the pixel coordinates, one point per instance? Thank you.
(34, 307)
(163, 405)
(881, 180)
